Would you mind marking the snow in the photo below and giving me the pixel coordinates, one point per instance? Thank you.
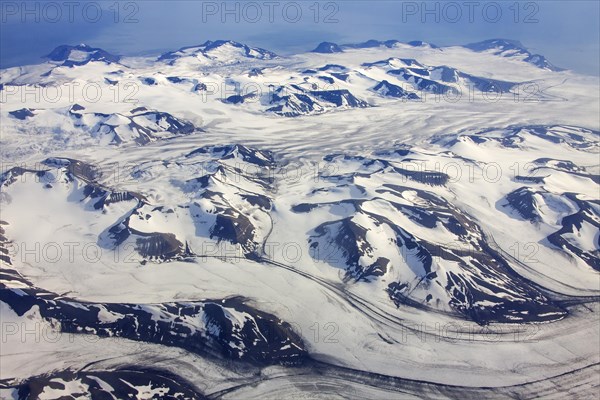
(68, 388)
(302, 290)
(587, 238)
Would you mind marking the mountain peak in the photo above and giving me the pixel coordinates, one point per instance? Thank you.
(504, 44)
(372, 43)
(210, 49)
(512, 48)
(420, 43)
(80, 54)
(391, 43)
(327, 47)
(213, 44)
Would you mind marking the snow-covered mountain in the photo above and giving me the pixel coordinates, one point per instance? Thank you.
(500, 47)
(224, 51)
(70, 56)
(327, 47)
(512, 48)
(223, 222)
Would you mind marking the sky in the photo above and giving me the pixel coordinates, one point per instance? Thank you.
(566, 32)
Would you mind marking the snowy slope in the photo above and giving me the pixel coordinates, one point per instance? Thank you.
(226, 222)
